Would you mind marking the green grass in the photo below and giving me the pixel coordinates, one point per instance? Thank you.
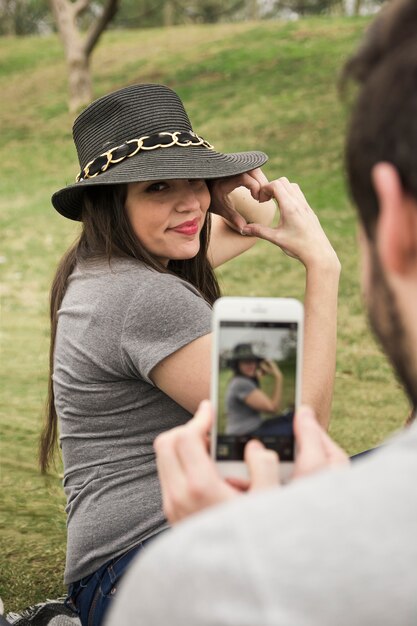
(247, 86)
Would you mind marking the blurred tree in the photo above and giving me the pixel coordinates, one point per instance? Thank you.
(24, 17)
(253, 10)
(139, 14)
(305, 7)
(78, 46)
(169, 12)
(212, 11)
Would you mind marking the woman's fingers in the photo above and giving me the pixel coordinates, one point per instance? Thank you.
(288, 195)
(261, 231)
(273, 235)
(252, 180)
(221, 204)
(261, 181)
(263, 466)
(299, 233)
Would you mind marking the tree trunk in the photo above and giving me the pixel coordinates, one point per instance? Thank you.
(168, 13)
(8, 18)
(253, 10)
(79, 79)
(357, 7)
(78, 48)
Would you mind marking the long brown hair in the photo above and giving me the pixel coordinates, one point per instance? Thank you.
(107, 233)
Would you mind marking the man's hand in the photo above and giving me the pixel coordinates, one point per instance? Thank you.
(189, 478)
(191, 482)
(315, 449)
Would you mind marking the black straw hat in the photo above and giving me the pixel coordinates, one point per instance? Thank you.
(140, 133)
(243, 352)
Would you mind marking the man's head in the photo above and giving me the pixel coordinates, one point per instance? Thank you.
(381, 158)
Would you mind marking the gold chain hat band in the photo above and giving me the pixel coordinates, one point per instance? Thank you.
(129, 148)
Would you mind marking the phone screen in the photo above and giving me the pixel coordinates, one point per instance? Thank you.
(256, 387)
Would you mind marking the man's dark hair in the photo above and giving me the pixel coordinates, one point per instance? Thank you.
(383, 125)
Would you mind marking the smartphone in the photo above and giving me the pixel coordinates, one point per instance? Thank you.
(256, 379)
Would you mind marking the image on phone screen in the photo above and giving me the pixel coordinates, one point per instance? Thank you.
(256, 387)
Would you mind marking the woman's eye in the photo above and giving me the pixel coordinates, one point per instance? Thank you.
(157, 186)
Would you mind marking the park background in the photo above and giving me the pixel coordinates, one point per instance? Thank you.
(267, 85)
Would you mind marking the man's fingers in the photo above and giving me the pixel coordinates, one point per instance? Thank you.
(203, 419)
(191, 449)
(166, 443)
(311, 455)
(184, 466)
(315, 449)
(335, 454)
(263, 466)
(170, 472)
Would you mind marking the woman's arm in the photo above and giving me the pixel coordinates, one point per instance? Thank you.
(261, 401)
(320, 335)
(185, 375)
(300, 235)
(237, 201)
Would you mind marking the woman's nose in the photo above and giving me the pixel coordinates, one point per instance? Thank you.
(187, 199)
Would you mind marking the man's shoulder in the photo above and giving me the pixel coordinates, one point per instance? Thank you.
(269, 557)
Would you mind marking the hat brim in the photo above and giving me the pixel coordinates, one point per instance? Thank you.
(234, 360)
(161, 164)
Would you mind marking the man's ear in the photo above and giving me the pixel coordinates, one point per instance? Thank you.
(396, 229)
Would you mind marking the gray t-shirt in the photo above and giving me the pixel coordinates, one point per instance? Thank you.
(241, 419)
(336, 549)
(115, 324)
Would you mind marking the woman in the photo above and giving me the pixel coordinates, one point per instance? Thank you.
(130, 313)
(245, 401)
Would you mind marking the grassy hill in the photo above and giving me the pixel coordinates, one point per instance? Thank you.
(268, 86)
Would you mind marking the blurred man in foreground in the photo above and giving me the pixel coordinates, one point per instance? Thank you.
(338, 547)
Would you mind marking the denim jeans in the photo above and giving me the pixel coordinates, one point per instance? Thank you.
(91, 597)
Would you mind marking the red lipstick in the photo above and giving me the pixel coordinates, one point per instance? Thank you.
(187, 228)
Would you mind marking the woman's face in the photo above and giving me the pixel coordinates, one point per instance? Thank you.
(248, 368)
(168, 215)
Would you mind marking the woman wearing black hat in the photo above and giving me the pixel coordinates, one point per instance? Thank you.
(245, 401)
(131, 312)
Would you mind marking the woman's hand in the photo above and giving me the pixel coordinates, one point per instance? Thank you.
(189, 478)
(299, 233)
(271, 368)
(222, 204)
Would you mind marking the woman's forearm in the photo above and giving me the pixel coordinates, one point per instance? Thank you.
(320, 332)
(300, 235)
(277, 394)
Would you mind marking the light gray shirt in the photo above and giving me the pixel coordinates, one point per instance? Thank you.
(241, 419)
(335, 549)
(115, 324)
